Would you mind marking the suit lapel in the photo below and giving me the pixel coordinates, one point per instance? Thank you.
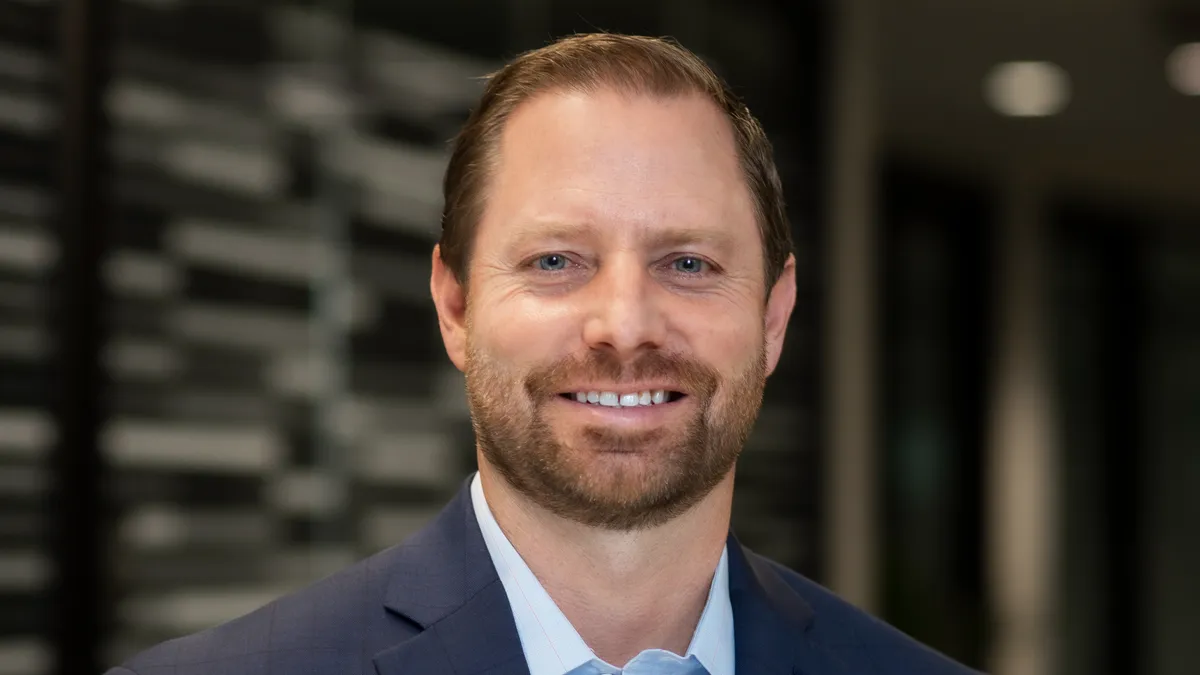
(771, 621)
(478, 638)
(443, 581)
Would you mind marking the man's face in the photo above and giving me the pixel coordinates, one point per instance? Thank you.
(617, 332)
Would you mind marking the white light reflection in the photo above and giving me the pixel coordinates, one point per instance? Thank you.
(1027, 89)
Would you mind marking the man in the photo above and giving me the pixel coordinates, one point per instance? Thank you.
(615, 279)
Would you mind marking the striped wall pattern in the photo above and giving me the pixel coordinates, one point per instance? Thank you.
(28, 120)
(282, 405)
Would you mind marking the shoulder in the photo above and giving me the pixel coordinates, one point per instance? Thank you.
(334, 625)
(859, 639)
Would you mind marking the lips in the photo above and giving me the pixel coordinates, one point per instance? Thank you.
(623, 399)
(598, 378)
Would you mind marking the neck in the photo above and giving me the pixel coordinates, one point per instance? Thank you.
(624, 592)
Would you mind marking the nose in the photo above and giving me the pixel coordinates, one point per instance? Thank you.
(624, 313)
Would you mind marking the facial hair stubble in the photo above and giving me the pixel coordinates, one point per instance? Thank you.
(671, 469)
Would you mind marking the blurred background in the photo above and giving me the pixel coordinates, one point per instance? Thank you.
(221, 377)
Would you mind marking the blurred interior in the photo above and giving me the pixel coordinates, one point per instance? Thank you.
(221, 377)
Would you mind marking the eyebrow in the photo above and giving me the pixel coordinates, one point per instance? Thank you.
(660, 238)
(534, 231)
(684, 237)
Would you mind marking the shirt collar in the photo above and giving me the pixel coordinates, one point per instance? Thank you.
(551, 644)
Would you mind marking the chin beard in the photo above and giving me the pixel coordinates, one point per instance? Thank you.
(558, 474)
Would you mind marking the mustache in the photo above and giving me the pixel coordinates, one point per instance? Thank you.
(692, 376)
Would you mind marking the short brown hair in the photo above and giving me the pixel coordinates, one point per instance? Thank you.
(634, 64)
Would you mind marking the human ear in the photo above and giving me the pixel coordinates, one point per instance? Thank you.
(780, 303)
(450, 299)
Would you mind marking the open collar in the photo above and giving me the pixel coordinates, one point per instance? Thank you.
(443, 581)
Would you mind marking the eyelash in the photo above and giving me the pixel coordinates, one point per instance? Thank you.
(708, 267)
(537, 259)
(705, 265)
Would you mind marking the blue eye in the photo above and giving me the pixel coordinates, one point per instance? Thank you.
(553, 262)
(688, 265)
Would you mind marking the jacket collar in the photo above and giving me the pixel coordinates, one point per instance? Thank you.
(771, 621)
(443, 581)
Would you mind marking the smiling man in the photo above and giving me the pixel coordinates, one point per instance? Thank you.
(615, 279)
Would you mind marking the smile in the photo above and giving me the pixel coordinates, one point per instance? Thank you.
(614, 399)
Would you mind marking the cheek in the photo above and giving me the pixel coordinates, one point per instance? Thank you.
(729, 344)
(519, 330)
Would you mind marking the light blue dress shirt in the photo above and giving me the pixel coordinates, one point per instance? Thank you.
(551, 644)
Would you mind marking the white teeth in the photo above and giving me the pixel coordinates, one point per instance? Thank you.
(612, 399)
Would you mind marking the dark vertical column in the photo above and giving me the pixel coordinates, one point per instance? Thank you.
(792, 102)
(1120, 362)
(76, 518)
(935, 272)
(807, 185)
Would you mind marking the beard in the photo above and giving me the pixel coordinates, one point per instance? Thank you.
(674, 468)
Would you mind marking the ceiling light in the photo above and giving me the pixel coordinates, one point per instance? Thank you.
(1183, 68)
(1027, 89)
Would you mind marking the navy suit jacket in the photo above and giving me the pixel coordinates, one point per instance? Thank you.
(434, 604)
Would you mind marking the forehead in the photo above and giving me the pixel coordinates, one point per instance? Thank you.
(625, 163)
